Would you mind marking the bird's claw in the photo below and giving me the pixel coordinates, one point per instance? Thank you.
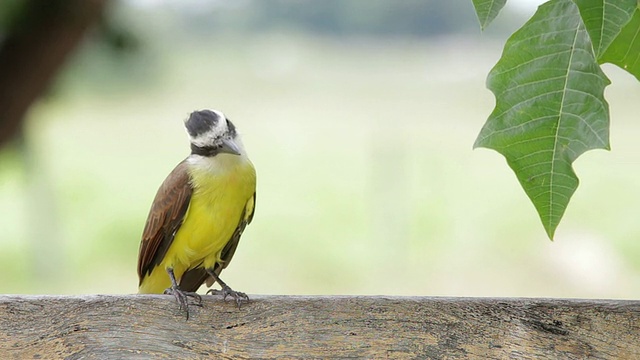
(227, 291)
(182, 297)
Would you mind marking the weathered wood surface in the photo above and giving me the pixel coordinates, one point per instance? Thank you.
(270, 327)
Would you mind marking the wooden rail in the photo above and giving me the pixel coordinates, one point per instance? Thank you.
(317, 327)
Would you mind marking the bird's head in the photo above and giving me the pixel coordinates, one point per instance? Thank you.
(211, 133)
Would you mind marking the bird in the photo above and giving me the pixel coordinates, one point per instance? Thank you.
(198, 214)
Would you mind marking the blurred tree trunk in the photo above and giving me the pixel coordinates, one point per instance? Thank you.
(43, 34)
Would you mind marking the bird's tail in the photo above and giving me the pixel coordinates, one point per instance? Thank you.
(193, 279)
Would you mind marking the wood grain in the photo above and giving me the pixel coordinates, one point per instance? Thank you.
(319, 327)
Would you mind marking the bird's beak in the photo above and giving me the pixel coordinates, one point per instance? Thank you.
(229, 146)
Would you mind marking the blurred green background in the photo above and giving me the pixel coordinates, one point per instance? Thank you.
(359, 117)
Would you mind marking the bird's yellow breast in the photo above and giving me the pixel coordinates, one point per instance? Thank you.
(222, 187)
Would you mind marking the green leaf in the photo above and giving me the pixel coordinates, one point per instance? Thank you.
(624, 51)
(604, 20)
(550, 106)
(487, 10)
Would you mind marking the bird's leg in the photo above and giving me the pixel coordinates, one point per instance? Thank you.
(226, 290)
(181, 296)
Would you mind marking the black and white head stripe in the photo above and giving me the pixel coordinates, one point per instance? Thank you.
(207, 127)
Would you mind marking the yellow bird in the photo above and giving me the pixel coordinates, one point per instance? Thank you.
(199, 214)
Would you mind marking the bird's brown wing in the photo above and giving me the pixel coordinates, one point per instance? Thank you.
(192, 279)
(165, 217)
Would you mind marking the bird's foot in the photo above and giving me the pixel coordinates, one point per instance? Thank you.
(182, 297)
(227, 291)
